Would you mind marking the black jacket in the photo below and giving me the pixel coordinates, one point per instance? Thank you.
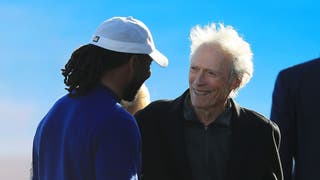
(254, 147)
(295, 108)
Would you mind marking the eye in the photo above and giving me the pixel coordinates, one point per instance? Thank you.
(193, 68)
(212, 73)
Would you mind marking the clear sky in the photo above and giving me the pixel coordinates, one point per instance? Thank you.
(37, 38)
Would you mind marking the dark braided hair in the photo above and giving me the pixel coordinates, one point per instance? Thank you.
(86, 66)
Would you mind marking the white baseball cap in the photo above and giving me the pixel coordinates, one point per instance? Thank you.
(128, 35)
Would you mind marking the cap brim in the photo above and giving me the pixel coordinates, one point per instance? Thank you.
(159, 58)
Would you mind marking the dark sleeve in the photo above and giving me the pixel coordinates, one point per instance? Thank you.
(153, 152)
(282, 113)
(273, 170)
(34, 168)
(277, 172)
(35, 153)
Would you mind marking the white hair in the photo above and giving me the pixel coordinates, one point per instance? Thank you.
(231, 43)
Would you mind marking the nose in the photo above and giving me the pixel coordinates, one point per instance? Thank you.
(199, 78)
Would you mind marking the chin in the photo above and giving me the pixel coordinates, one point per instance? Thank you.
(200, 106)
(130, 97)
(130, 93)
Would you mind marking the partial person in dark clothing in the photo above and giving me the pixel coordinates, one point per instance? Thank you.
(87, 134)
(204, 134)
(295, 109)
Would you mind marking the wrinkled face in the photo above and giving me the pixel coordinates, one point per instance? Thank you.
(209, 77)
(141, 72)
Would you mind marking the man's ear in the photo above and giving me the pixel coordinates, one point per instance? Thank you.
(134, 61)
(132, 64)
(235, 83)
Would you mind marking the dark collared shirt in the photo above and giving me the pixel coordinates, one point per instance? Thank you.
(207, 147)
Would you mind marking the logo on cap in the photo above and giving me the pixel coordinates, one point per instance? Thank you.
(96, 39)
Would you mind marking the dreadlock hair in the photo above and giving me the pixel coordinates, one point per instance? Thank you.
(86, 66)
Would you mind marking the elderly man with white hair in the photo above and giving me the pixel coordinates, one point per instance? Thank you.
(204, 134)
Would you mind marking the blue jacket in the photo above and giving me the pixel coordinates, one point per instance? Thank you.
(87, 138)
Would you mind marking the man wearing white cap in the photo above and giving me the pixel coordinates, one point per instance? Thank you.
(87, 134)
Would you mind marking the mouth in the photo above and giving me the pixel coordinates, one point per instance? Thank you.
(199, 92)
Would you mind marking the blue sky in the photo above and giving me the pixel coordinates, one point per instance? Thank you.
(37, 38)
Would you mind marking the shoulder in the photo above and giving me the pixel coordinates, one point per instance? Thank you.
(259, 121)
(101, 112)
(158, 106)
(155, 112)
(258, 125)
(115, 122)
(162, 107)
(301, 68)
(115, 116)
(161, 112)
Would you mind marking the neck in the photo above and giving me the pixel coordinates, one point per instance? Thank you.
(208, 115)
(112, 81)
